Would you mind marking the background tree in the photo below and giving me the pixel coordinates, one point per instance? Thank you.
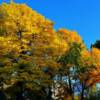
(96, 44)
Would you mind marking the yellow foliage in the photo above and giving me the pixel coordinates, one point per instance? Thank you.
(70, 36)
(90, 59)
(21, 18)
(26, 30)
(96, 56)
(95, 74)
(86, 58)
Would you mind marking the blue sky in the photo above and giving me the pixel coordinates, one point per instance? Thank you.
(82, 16)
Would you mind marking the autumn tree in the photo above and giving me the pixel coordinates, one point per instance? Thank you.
(69, 60)
(78, 64)
(27, 54)
(32, 53)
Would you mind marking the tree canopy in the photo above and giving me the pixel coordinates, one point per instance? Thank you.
(32, 53)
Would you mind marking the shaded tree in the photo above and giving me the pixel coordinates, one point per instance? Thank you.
(96, 44)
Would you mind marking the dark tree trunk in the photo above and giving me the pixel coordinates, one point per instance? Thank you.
(82, 93)
(70, 88)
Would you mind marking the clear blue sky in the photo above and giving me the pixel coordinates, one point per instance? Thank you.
(82, 16)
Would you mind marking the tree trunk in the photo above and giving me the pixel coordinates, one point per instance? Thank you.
(82, 93)
(70, 89)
